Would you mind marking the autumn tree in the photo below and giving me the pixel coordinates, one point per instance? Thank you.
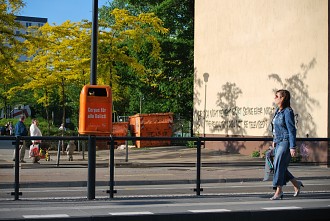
(173, 89)
(129, 48)
(58, 60)
(10, 50)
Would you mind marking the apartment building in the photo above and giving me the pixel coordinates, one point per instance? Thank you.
(27, 21)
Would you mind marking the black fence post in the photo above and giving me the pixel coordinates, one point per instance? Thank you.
(198, 168)
(91, 167)
(83, 149)
(112, 168)
(16, 191)
(126, 151)
(58, 152)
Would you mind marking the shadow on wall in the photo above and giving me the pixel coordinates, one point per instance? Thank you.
(198, 116)
(313, 151)
(301, 101)
(230, 123)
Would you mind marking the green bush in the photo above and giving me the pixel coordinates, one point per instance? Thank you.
(256, 153)
(191, 144)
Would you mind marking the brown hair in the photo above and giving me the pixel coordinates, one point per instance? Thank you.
(286, 97)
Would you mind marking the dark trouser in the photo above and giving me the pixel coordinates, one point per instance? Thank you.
(21, 151)
(281, 162)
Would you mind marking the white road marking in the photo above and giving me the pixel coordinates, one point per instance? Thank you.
(209, 210)
(143, 174)
(51, 207)
(282, 208)
(131, 213)
(46, 216)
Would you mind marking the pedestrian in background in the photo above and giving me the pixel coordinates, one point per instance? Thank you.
(11, 128)
(70, 148)
(284, 142)
(62, 128)
(7, 128)
(35, 132)
(20, 130)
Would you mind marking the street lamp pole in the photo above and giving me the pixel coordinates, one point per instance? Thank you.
(92, 139)
(94, 43)
(206, 78)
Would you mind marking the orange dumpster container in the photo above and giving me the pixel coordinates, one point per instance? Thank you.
(120, 129)
(152, 125)
(95, 113)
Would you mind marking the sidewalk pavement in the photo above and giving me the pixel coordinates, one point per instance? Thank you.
(154, 165)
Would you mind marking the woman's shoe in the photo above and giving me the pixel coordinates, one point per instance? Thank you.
(300, 184)
(279, 197)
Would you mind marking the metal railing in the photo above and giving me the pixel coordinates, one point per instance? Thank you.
(199, 141)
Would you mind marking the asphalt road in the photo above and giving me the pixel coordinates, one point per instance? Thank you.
(240, 207)
(6, 144)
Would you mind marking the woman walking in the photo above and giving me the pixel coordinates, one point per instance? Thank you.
(284, 142)
(35, 132)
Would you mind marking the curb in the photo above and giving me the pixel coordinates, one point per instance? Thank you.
(121, 164)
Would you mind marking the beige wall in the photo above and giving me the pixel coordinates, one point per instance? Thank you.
(251, 48)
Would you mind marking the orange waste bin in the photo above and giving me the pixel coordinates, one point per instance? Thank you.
(95, 113)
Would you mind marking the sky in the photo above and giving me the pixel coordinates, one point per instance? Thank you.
(58, 11)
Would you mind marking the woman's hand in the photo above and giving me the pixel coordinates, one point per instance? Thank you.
(293, 152)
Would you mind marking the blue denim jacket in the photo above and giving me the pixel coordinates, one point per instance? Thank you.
(20, 129)
(284, 126)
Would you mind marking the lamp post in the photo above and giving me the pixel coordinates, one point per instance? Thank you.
(92, 139)
(206, 78)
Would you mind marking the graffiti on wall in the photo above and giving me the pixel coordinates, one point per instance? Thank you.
(236, 118)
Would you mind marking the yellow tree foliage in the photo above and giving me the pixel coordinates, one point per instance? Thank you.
(10, 45)
(58, 59)
(59, 55)
(9, 41)
(123, 40)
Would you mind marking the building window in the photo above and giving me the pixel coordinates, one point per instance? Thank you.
(17, 32)
(28, 24)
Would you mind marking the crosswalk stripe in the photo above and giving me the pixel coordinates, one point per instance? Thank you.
(45, 216)
(282, 208)
(209, 210)
(131, 213)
